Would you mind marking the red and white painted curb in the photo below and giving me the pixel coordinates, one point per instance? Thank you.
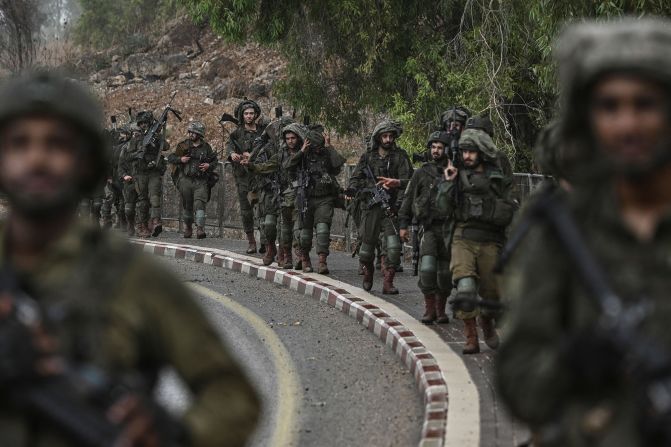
(402, 341)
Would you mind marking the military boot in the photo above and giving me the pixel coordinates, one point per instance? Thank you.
(472, 345)
(489, 332)
(441, 302)
(322, 268)
(143, 230)
(200, 232)
(307, 263)
(251, 248)
(188, 230)
(388, 283)
(298, 263)
(287, 262)
(156, 226)
(368, 271)
(429, 308)
(269, 256)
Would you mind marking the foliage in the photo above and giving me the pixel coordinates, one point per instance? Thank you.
(105, 23)
(412, 59)
(19, 34)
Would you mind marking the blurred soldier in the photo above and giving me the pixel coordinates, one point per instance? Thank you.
(87, 323)
(193, 162)
(479, 192)
(453, 120)
(126, 171)
(578, 372)
(388, 167)
(114, 185)
(318, 164)
(267, 186)
(435, 280)
(239, 147)
(148, 169)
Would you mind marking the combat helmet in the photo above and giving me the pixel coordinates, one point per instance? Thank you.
(476, 139)
(383, 127)
(48, 93)
(196, 127)
(439, 136)
(460, 114)
(145, 116)
(482, 123)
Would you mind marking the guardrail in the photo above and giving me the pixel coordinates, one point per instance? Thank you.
(223, 209)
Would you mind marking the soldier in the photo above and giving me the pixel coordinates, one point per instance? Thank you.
(193, 162)
(126, 172)
(435, 280)
(239, 147)
(386, 165)
(453, 121)
(581, 374)
(317, 165)
(114, 185)
(266, 162)
(148, 169)
(88, 322)
(479, 192)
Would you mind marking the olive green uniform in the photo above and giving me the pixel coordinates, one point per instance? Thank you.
(434, 252)
(127, 159)
(241, 141)
(148, 177)
(190, 180)
(321, 165)
(395, 164)
(114, 188)
(125, 314)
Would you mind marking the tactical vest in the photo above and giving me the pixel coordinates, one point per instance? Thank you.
(424, 206)
(482, 201)
(318, 167)
(388, 166)
(198, 155)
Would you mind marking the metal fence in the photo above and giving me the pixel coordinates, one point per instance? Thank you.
(223, 209)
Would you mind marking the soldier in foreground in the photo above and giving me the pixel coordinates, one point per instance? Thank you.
(587, 349)
(87, 322)
(193, 163)
(382, 175)
(479, 194)
(239, 147)
(419, 202)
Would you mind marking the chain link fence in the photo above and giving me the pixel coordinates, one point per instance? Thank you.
(223, 209)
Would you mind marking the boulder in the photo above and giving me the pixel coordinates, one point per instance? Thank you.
(220, 67)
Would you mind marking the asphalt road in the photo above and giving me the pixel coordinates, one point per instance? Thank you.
(338, 385)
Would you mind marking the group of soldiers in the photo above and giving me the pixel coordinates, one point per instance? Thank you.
(458, 200)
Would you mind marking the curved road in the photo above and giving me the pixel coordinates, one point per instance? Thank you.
(324, 379)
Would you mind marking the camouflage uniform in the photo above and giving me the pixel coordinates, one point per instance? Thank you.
(483, 208)
(192, 183)
(148, 170)
(321, 165)
(110, 309)
(556, 370)
(393, 164)
(419, 202)
(114, 187)
(127, 159)
(240, 141)
(275, 185)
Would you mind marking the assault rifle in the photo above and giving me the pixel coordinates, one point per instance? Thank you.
(158, 127)
(75, 401)
(644, 363)
(414, 232)
(380, 196)
(302, 185)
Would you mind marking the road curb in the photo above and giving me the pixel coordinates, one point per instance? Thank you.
(412, 353)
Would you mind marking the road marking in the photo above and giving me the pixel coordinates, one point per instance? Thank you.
(288, 389)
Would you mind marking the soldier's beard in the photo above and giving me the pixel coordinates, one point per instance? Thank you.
(35, 207)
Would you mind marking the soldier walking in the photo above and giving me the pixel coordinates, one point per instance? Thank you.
(385, 166)
(479, 193)
(419, 202)
(114, 185)
(193, 163)
(317, 165)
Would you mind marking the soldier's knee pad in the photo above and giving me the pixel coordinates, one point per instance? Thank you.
(393, 248)
(306, 238)
(427, 271)
(200, 218)
(270, 220)
(323, 234)
(367, 252)
(467, 294)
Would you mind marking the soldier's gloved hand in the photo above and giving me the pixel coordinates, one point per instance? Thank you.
(594, 358)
